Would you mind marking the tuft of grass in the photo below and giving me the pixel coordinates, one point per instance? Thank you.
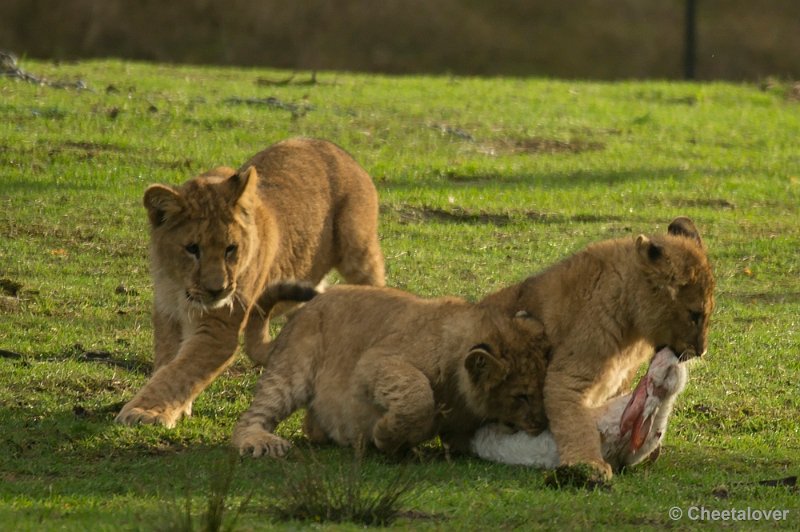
(215, 517)
(318, 492)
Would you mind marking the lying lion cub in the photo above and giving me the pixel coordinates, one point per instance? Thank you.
(381, 366)
(631, 426)
(293, 211)
(604, 309)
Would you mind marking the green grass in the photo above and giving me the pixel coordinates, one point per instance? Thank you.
(482, 182)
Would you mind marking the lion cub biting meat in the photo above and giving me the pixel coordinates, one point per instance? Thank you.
(381, 366)
(294, 211)
(631, 426)
(604, 310)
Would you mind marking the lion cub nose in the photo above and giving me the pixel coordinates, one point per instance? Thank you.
(214, 293)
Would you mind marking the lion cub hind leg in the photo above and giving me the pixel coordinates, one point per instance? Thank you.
(359, 251)
(313, 429)
(405, 395)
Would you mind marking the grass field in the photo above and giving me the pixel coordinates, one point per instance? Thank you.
(482, 182)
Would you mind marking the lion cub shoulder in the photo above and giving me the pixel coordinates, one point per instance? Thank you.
(383, 367)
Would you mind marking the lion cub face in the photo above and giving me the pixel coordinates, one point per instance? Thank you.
(202, 234)
(682, 284)
(507, 371)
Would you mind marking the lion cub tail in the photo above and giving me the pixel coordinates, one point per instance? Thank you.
(285, 291)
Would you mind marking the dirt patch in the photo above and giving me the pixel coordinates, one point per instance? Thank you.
(417, 515)
(89, 149)
(104, 357)
(9, 295)
(212, 124)
(177, 164)
(452, 131)
(595, 218)
(267, 82)
(657, 96)
(539, 145)
(94, 146)
(409, 214)
(471, 180)
(793, 92)
(787, 482)
(790, 90)
(297, 109)
(479, 180)
(714, 203)
(9, 287)
(10, 355)
(764, 298)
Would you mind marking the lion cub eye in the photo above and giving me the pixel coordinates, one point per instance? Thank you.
(193, 250)
(231, 250)
(522, 399)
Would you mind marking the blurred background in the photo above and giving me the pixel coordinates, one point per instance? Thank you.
(594, 39)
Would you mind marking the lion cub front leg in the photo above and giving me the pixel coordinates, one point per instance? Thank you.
(405, 393)
(172, 388)
(275, 399)
(573, 424)
(167, 339)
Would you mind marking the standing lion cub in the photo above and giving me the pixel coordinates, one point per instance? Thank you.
(378, 366)
(294, 211)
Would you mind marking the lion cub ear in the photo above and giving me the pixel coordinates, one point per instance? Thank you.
(683, 226)
(648, 250)
(483, 368)
(243, 184)
(163, 203)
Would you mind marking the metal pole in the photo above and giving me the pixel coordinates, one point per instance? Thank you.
(690, 41)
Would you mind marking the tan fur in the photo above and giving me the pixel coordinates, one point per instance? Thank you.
(604, 310)
(293, 211)
(381, 366)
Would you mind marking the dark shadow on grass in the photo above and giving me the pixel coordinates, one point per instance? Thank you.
(41, 454)
(408, 214)
(77, 453)
(764, 298)
(564, 180)
(79, 353)
(10, 185)
(79, 450)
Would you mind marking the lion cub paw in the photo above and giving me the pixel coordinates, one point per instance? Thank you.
(132, 415)
(588, 476)
(254, 439)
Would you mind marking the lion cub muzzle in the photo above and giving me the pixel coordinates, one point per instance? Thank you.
(210, 298)
(683, 355)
